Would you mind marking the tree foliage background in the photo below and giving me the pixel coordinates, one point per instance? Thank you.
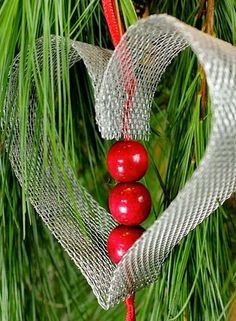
(38, 280)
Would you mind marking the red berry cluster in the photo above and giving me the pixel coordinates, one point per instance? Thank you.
(129, 201)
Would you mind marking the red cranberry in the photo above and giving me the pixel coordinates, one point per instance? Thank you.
(127, 161)
(121, 239)
(129, 203)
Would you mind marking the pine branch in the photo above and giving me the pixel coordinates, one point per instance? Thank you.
(209, 29)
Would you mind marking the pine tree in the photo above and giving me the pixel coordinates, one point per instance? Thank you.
(38, 280)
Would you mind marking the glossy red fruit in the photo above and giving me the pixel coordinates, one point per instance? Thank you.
(130, 203)
(121, 239)
(127, 161)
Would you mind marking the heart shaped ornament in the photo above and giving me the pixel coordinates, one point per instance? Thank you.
(78, 222)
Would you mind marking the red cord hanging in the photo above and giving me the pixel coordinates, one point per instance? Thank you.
(116, 30)
(130, 309)
(115, 26)
(118, 239)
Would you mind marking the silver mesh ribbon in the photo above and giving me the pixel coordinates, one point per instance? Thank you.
(73, 216)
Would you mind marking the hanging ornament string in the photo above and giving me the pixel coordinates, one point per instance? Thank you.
(115, 25)
(116, 30)
(130, 312)
(129, 202)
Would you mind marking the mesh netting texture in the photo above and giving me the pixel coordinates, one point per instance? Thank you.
(77, 221)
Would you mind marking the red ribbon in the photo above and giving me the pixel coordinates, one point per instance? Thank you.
(115, 26)
(130, 309)
(116, 30)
